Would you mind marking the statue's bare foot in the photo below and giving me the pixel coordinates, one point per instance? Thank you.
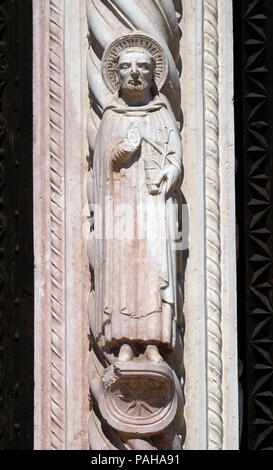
(152, 354)
(125, 353)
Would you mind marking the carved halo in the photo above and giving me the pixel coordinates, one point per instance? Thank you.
(138, 40)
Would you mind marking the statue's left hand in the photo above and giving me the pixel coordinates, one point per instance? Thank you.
(171, 176)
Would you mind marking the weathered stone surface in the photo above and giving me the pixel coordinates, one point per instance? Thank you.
(137, 166)
(137, 283)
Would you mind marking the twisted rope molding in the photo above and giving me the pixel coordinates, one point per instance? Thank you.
(213, 242)
(57, 215)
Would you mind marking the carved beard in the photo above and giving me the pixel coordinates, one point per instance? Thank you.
(135, 88)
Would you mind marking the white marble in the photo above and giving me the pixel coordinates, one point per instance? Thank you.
(61, 226)
(196, 294)
(136, 314)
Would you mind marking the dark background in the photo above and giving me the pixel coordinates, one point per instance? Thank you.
(16, 233)
(253, 56)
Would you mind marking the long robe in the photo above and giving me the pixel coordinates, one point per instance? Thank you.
(135, 260)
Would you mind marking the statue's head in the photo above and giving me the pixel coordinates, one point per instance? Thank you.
(135, 63)
(135, 70)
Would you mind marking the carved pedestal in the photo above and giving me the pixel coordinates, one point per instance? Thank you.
(138, 401)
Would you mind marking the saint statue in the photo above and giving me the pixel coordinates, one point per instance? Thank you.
(137, 176)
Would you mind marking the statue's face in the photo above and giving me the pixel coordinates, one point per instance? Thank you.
(135, 70)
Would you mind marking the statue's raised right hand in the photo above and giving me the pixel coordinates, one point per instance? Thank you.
(133, 138)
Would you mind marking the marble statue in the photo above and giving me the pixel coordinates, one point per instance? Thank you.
(137, 174)
(137, 161)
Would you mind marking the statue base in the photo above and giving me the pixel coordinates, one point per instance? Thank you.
(138, 397)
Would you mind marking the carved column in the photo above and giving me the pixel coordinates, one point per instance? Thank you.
(57, 218)
(213, 242)
(210, 353)
(151, 390)
(61, 331)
